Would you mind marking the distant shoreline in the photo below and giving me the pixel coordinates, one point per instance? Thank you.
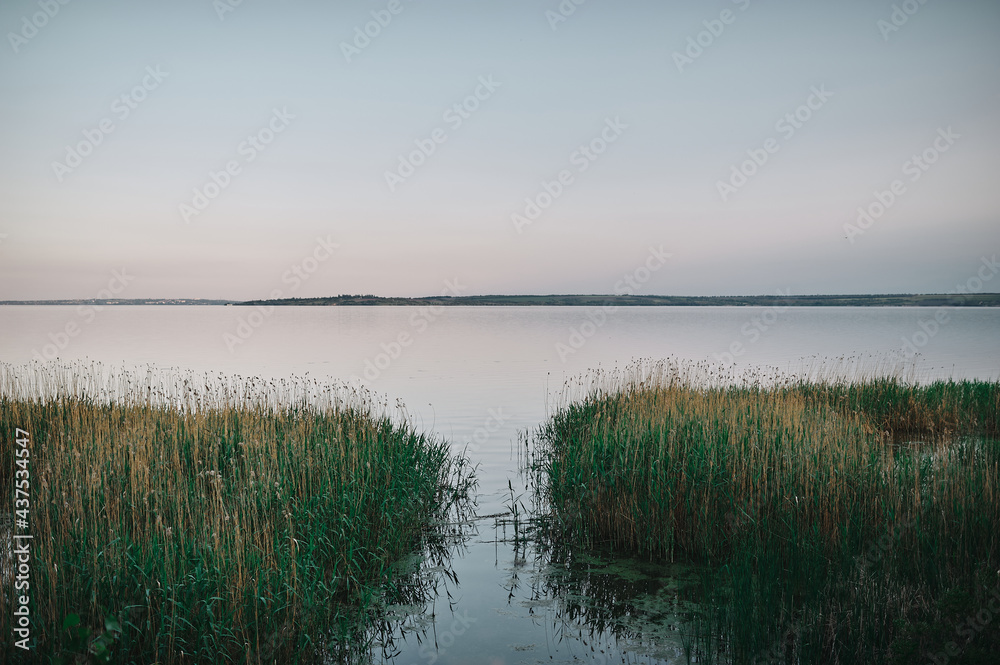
(890, 300)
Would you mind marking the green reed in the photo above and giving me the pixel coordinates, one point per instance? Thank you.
(216, 519)
(846, 520)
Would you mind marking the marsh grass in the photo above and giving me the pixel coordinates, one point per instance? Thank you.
(218, 519)
(830, 542)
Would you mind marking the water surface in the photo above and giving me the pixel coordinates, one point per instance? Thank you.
(479, 376)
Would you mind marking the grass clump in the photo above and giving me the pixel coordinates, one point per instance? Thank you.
(846, 520)
(214, 519)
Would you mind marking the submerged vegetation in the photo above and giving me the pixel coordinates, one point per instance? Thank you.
(214, 519)
(844, 520)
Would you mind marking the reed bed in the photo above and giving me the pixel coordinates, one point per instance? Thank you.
(846, 520)
(216, 519)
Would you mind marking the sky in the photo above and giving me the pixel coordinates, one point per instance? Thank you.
(242, 149)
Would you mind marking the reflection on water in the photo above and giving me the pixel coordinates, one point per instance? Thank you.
(620, 608)
(556, 605)
(478, 376)
(418, 610)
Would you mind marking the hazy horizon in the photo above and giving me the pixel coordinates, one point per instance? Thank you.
(234, 150)
(495, 295)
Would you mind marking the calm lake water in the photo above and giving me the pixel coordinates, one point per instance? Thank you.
(481, 376)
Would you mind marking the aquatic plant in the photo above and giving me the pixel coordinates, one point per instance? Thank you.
(217, 519)
(838, 512)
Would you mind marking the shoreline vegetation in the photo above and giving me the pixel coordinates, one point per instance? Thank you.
(846, 514)
(841, 519)
(204, 518)
(597, 300)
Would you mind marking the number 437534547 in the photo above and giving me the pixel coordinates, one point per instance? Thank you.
(21, 486)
